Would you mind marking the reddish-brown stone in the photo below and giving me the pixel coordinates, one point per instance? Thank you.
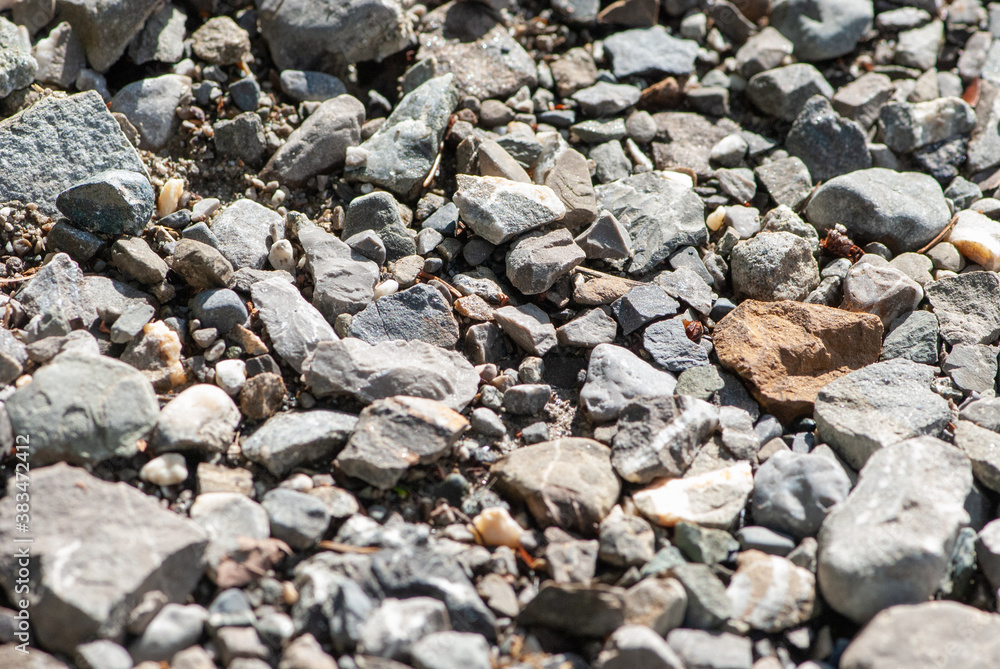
(788, 350)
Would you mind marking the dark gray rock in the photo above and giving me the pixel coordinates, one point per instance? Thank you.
(641, 305)
(606, 238)
(878, 405)
(910, 126)
(243, 229)
(70, 507)
(821, 29)
(763, 51)
(527, 399)
(298, 519)
(863, 98)
(984, 413)
(787, 180)
(828, 144)
(294, 326)
(793, 492)
(660, 214)
(590, 329)
(637, 646)
(616, 377)
(57, 294)
(783, 91)
(890, 542)
(219, 308)
(419, 313)
(308, 86)
(151, 106)
(649, 52)
(980, 445)
(245, 93)
(344, 281)
(399, 156)
(290, 439)
(114, 202)
(320, 144)
(913, 336)
(708, 606)
(966, 307)
(604, 99)
(903, 210)
(56, 143)
(581, 610)
(162, 38)
(241, 138)
(379, 212)
(668, 344)
(538, 259)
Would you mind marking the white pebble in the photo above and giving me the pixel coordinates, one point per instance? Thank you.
(170, 196)
(230, 375)
(387, 287)
(282, 255)
(716, 218)
(300, 482)
(167, 469)
(496, 527)
(977, 237)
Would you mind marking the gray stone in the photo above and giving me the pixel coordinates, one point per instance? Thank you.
(17, 65)
(700, 382)
(793, 492)
(537, 260)
(379, 212)
(151, 106)
(903, 635)
(243, 228)
(320, 144)
(863, 98)
(127, 326)
(668, 344)
(774, 266)
(711, 650)
(820, 29)
(330, 34)
(308, 86)
(473, 44)
(111, 298)
(528, 326)
(879, 405)
(499, 209)
(972, 368)
(965, 307)
(597, 132)
(738, 184)
(114, 202)
(399, 156)
(79, 244)
(637, 646)
(604, 99)
(494, 161)
(162, 38)
(367, 373)
(984, 143)
(649, 52)
(890, 542)
(691, 139)
(578, 609)
(219, 308)
(611, 162)
(419, 313)
(903, 210)
(567, 482)
(298, 519)
(57, 293)
(294, 326)
(201, 418)
(872, 286)
(918, 48)
(451, 650)
(241, 138)
(57, 143)
(783, 91)
(106, 29)
(763, 51)
(102, 654)
(660, 214)
(592, 328)
(527, 399)
(910, 126)
(708, 607)
(616, 377)
(344, 281)
(245, 93)
(396, 433)
(704, 545)
(135, 259)
(658, 603)
(642, 305)
(83, 410)
(290, 439)
(982, 446)
(626, 541)
(606, 238)
(988, 552)
(913, 336)
(13, 356)
(90, 591)
(753, 537)
(173, 629)
(221, 41)
(660, 437)
(828, 144)
(787, 180)
(984, 413)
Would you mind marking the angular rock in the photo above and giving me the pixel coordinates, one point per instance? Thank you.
(891, 541)
(910, 126)
(242, 229)
(668, 344)
(967, 307)
(713, 499)
(528, 326)
(419, 313)
(499, 209)
(872, 286)
(637, 646)
(105, 28)
(570, 180)
(606, 238)
(294, 326)
(582, 610)
(151, 106)
(787, 180)
(568, 482)
(88, 592)
(83, 410)
(698, 648)
(821, 29)
(344, 280)
(290, 439)
(828, 144)
(396, 433)
(660, 214)
(17, 65)
(135, 259)
(982, 446)
(58, 293)
(76, 136)
(770, 593)
(649, 51)
(296, 518)
(367, 373)
(399, 156)
(615, 377)
(774, 266)
(863, 98)
(793, 492)
(972, 368)
(783, 91)
(537, 260)
(201, 265)
(221, 41)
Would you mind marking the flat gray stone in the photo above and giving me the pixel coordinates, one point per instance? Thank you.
(151, 106)
(649, 52)
(793, 492)
(106, 28)
(822, 29)
(616, 377)
(242, 229)
(913, 336)
(538, 259)
(419, 313)
(528, 326)
(499, 209)
(668, 344)
(294, 326)
(967, 307)
(783, 91)
(290, 439)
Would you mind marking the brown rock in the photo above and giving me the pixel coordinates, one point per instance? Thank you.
(262, 395)
(664, 94)
(789, 350)
(602, 290)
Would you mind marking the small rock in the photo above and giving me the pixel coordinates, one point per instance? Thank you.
(637, 646)
(219, 308)
(537, 260)
(419, 313)
(201, 265)
(134, 258)
(150, 105)
(242, 229)
(982, 446)
(977, 237)
(499, 209)
(262, 396)
(201, 418)
(828, 144)
(793, 492)
(910, 126)
(965, 308)
(288, 440)
(582, 610)
(668, 344)
(165, 470)
(221, 41)
(713, 499)
(698, 648)
(783, 91)
(770, 593)
(649, 51)
(451, 650)
(872, 286)
(774, 266)
(308, 86)
(294, 326)
(821, 30)
(606, 238)
(398, 624)
(528, 326)
(173, 629)
(616, 377)
(592, 328)
(296, 518)
(114, 202)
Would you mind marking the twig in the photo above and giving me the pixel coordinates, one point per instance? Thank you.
(941, 235)
(605, 275)
(338, 547)
(434, 168)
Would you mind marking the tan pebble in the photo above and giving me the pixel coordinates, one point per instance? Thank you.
(474, 307)
(713, 499)
(977, 237)
(170, 196)
(496, 527)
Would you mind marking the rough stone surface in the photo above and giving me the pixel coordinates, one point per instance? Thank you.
(419, 313)
(774, 266)
(965, 307)
(615, 377)
(820, 29)
(793, 492)
(499, 209)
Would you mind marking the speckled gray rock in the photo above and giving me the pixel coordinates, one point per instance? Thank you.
(173, 629)
(57, 293)
(151, 106)
(344, 280)
(400, 155)
(909, 126)
(367, 373)
(828, 144)
(660, 214)
(327, 35)
(320, 144)
(17, 65)
(913, 336)
(822, 29)
(616, 377)
(289, 439)
(83, 410)
(303, 86)
(419, 313)
(242, 229)
(890, 542)
(294, 326)
(967, 307)
(668, 344)
(106, 28)
(296, 518)
(783, 91)
(903, 210)
(114, 202)
(872, 286)
(605, 99)
(537, 260)
(77, 137)
(219, 308)
(793, 492)
(972, 368)
(528, 326)
(499, 209)
(89, 592)
(982, 446)
(774, 266)
(650, 51)
(879, 405)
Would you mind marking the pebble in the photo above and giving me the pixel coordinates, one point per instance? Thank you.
(419, 313)
(908, 504)
(498, 209)
(150, 104)
(219, 308)
(173, 629)
(793, 492)
(873, 286)
(713, 499)
(668, 344)
(537, 260)
(821, 30)
(295, 327)
(649, 51)
(221, 41)
(310, 86)
(637, 645)
(528, 326)
(965, 309)
(699, 648)
(296, 518)
(827, 143)
(783, 91)
(165, 470)
(770, 593)
(774, 266)
(242, 229)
